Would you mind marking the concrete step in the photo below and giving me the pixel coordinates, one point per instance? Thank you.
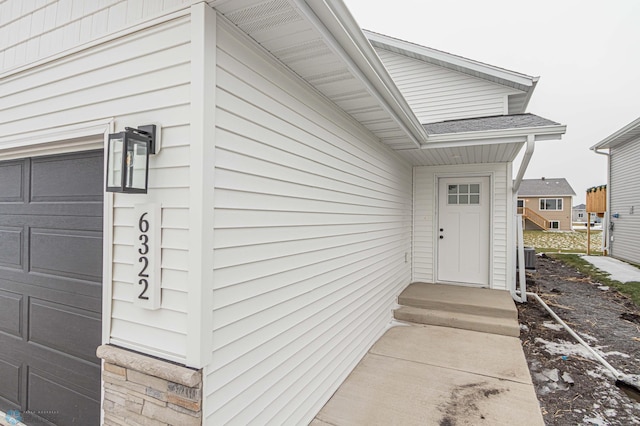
(460, 299)
(460, 320)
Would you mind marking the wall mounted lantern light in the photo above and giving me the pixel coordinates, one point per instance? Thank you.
(128, 159)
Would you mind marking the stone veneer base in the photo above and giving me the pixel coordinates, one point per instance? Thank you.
(139, 389)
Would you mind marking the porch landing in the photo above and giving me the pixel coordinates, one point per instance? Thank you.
(421, 374)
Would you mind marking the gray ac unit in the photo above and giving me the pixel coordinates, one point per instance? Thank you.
(529, 258)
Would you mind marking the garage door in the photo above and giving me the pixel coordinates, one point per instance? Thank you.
(50, 287)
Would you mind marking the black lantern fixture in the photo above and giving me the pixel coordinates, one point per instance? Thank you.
(128, 159)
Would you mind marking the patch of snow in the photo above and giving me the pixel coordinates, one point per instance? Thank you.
(588, 337)
(524, 327)
(603, 287)
(553, 326)
(601, 373)
(596, 420)
(616, 353)
(551, 374)
(567, 378)
(563, 347)
(610, 412)
(539, 377)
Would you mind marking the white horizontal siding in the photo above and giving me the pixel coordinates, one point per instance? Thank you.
(32, 30)
(141, 79)
(625, 196)
(425, 203)
(312, 223)
(436, 94)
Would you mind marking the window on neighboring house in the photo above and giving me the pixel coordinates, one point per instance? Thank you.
(554, 224)
(520, 203)
(580, 215)
(550, 203)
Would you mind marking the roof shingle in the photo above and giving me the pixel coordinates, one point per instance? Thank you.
(544, 187)
(498, 122)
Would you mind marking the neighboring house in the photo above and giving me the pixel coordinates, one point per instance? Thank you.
(308, 173)
(623, 197)
(546, 204)
(579, 214)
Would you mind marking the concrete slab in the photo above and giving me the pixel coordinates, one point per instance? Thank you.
(477, 301)
(619, 270)
(317, 422)
(390, 391)
(467, 351)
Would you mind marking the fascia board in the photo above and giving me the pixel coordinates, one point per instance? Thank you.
(523, 80)
(618, 137)
(546, 195)
(334, 21)
(495, 136)
(529, 93)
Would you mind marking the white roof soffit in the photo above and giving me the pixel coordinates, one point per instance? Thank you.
(320, 41)
(492, 73)
(628, 133)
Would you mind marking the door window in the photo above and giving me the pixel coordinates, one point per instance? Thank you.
(466, 193)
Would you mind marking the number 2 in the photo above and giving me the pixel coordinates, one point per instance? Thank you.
(144, 290)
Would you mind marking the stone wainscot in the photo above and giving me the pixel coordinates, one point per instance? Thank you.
(139, 389)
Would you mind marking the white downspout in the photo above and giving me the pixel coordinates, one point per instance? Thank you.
(607, 218)
(522, 298)
(531, 145)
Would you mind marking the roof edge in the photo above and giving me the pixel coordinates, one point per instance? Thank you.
(558, 130)
(525, 81)
(615, 138)
(346, 33)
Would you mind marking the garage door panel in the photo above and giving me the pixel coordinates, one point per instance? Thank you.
(10, 384)
(83, 294)
(64, 328)
(11, 176)
(59, 402)
(51, 181)
(11, 247)
(49, 212)
(66, 253)
(51, 286)
(11, 313)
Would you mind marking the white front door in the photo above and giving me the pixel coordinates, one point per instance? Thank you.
(463, 230)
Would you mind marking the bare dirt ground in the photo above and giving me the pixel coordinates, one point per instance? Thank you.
(573, 388)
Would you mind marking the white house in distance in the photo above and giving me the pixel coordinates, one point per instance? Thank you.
(308, 172)
(623, 198)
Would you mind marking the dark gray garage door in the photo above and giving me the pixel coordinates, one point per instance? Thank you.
(50, 287)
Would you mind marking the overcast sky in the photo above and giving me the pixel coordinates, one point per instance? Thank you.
(586, 53)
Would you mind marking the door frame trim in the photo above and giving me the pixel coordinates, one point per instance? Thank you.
(436, 215)
(77, 137)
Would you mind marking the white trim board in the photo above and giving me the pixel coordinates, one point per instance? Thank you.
(60, 140)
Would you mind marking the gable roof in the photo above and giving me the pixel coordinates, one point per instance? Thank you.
(628, 133)
(322, 44)
(556, 187)
(502, 76)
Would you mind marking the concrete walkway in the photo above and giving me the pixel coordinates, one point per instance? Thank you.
(422, 374)
(619, 270)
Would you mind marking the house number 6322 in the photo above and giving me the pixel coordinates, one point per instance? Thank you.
(147, 251)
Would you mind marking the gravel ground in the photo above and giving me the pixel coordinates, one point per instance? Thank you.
(574, 389)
